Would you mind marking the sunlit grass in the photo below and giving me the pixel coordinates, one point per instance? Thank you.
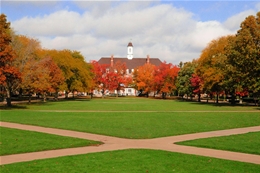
(135, 124)
(13, 141)
(132, 161)
(246, 143)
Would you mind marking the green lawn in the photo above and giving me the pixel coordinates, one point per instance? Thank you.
(13, 141)
(133, 104)
(135, 124)
(123, 117)
(246, 143)
(131, 161)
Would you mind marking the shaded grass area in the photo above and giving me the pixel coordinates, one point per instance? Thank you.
(135, 124)
(246, 143)
(15, 141)
(134, 161)
(130, 104)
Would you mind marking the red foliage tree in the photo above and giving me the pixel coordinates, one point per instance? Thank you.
(164, 78)
(196, 84)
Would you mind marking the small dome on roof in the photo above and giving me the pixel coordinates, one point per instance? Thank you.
(130, 44)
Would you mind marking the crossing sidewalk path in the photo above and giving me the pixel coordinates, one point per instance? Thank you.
(114, 143)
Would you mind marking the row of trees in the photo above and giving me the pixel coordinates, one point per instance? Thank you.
(146, 79)
(228, 65)
(25, 67)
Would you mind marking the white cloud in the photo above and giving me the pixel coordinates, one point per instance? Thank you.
(258, 6)
(233, 22)
(105, 28)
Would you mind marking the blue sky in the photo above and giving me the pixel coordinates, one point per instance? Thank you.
(173, 31)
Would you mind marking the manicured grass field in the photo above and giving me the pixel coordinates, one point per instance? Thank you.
(247, 143)
(132, 161)
(133, 104)
(135, 124)
(15, 141)
(133, 118)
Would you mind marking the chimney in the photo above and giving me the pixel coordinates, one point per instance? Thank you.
(148, 59)
(112, 61)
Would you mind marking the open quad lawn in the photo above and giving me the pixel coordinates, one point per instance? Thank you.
(132, 104)
(15, 141)
(131, 161)
(245, 143)
(135, 124)
(133, 118)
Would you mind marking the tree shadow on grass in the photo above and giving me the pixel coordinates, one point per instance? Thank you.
(220, 104)
(24, 104)
(5, 107)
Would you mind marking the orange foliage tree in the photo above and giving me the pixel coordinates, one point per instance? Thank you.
(41, 76)
(9, 74)
(212, 64)
(144, 78)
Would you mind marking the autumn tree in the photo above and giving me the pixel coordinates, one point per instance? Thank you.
(98, 71)
(164, 78)
(115, 77)
(244, 55)
(183, 82)
(41, 76)
(9, 74)
(212, 65)
(26, 50)
(196, 83)
(144, 78)
(76, 71)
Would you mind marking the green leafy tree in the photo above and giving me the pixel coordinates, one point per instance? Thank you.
(183, 82)
(244, 55)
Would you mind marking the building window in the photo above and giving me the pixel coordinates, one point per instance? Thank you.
(129, 91)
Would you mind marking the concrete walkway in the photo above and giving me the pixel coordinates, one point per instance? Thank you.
(114, 143)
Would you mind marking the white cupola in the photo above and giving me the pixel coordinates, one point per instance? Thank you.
(130, 50)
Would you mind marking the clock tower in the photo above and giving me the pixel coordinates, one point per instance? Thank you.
(130, 50)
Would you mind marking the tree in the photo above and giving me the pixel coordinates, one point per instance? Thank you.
(76, 71)
(212, 65)
(98, 72)
(26, 50)
(41, 76)
(196, 83)
(8, 73)
(165, 77)
(144, 78)
(115, 77)
(183, 82)
(244, 55)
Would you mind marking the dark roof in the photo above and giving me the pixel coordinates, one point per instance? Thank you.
(130, 63)
(130, 44)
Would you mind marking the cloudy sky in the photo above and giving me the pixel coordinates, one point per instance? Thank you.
(173, 31)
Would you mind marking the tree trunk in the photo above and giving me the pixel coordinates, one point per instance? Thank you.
(233, 101)
(217, 98)
(44, 96)
(56, 95)
(66, 94)
(30, 97)
(199, 97)
(8, 97)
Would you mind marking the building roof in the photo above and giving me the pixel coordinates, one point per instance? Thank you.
(130, 63)
(130, 44)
